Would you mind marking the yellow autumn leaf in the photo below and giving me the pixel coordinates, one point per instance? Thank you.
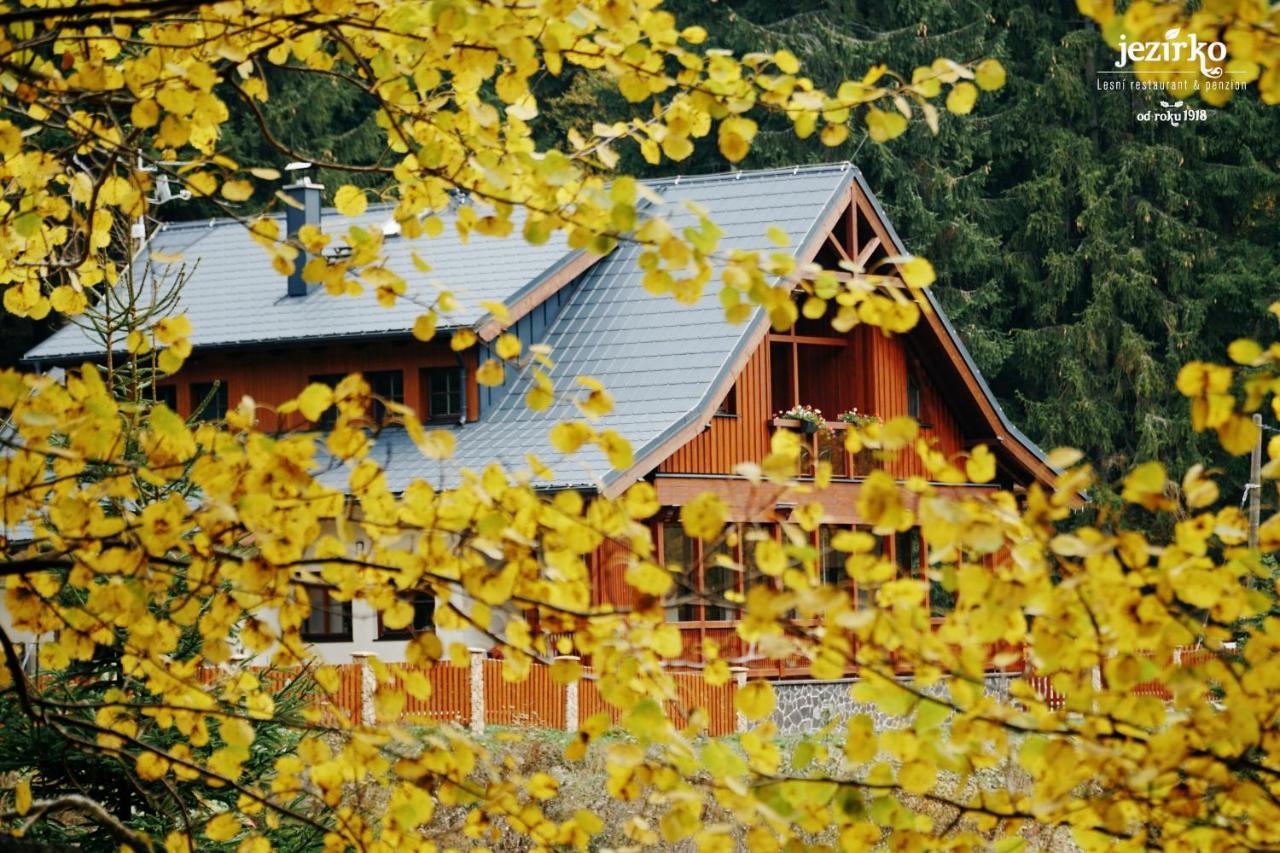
(542, 786)
(491, 373)
(438, 444)
(961, 98)
(350, 201)
(424, 326)
(704, 516)
(314, 401)
(989, 75)
(917, 272)
(237, 190)
(786, 61)
(648, 578)
(883, 126)
(755, 700)
(568, 436)
(22, 797)
(222, 827)
(507, 346)
(980, 467)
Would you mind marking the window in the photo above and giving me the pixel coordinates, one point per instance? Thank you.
(424, 609)
(908, 552)
(444, 393)
(212, 396)
(699, 590)
(330, 416)
(834, 564)
(167, 394)
(679, 550)
(831, 561)
(729, 405)
(717, 579)
(384, 384)
(913, 395)
(329, 620)
(750, 536)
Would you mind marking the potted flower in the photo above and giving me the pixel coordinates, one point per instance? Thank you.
(858, 419)
(810, 419)
(864, 460)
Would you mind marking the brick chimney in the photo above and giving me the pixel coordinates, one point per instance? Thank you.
(307, 195)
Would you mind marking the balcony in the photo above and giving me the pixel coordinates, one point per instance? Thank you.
(827, 445)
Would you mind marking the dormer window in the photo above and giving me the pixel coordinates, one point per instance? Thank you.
(383, 384)
(209, 400)
(167, 394)
(444, 393)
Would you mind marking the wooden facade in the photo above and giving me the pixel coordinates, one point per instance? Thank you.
(272, 375)
(923, 374)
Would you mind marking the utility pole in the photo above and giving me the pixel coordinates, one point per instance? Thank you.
(1255, 485)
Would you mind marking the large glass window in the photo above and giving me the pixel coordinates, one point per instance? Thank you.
(329, 620)
(699, 591)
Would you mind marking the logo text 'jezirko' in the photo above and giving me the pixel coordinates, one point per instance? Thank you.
(1175, 51)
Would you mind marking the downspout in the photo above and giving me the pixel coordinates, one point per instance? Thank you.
(462, 365)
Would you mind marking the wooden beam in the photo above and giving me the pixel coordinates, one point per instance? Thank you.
(749, 501)
(867, 252)
(808, 339)
(835, 244)
(1015, 448)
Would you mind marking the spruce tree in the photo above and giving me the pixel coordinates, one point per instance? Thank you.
(1084, 255)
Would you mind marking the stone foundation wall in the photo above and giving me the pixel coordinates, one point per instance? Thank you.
(806, 706)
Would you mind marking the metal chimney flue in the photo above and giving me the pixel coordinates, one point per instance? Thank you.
(306, 211)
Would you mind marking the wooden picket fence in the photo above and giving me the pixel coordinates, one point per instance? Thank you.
(539, 701)
(1185, 658)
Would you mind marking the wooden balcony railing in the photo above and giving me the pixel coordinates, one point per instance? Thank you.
(827, 445)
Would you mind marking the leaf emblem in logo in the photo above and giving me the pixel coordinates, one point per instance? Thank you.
(1172, 34)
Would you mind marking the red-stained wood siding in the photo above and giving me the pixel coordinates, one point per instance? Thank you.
(733, 439)
(272, 375)
(888, 360)
(869, 373)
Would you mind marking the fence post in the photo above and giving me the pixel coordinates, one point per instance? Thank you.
(740, 723)
(477, 689)
(368, 685)
(570, 698)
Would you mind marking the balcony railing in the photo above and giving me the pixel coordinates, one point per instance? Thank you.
(827, 445)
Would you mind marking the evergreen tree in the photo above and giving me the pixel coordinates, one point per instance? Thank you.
(1084, 255)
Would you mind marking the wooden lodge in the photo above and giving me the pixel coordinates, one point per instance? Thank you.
(694, 395)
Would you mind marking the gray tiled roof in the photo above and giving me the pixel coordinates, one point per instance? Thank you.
(661, 360)
(233, 295)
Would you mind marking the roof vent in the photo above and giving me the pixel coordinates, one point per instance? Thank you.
(305, 211)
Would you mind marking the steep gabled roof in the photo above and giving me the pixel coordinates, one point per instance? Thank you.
(664, 362)
(668, 365)
(234, 297)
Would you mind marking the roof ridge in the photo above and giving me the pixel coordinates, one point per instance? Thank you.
(708, 177)
(219, 221)
(738, 174)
